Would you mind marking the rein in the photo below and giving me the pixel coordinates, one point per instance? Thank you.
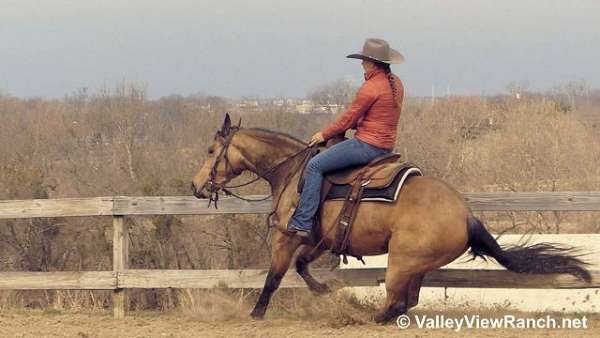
(214, 188)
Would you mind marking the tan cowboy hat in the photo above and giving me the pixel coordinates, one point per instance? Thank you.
(378, 50)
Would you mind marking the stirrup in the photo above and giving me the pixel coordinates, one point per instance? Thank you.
(292, 230)
(303, 233)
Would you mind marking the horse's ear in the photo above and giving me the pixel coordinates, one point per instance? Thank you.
(226, 125)
(240, 123)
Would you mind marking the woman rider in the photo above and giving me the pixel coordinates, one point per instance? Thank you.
(374, 113)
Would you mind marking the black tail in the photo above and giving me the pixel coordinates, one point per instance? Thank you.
(524, 258)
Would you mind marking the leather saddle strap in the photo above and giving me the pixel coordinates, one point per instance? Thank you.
(352, 215)
(346, 216)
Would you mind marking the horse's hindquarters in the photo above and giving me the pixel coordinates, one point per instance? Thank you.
(428, 220)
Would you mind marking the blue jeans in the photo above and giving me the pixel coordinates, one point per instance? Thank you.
(344, 154)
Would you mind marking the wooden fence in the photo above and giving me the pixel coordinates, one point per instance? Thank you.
(122, 278)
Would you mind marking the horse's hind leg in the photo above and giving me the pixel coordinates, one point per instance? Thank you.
(281, 256)
(413, 290)
(396, 286)
(403, 274)
(306, 256)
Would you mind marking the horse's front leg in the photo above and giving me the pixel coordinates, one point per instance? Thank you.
(282, 251)
(305, 257)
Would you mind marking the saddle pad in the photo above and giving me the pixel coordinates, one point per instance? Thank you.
(388, 194)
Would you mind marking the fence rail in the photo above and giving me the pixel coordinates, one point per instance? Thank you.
(255, 278)
(122, 278)
(189, 205)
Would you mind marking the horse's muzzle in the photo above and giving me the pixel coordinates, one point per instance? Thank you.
(199, 193)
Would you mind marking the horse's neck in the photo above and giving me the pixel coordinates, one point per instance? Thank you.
(286, 176)
(284, 182)
(266, 154)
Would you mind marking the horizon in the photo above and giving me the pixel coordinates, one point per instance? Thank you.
(274, 49)
(554, 90)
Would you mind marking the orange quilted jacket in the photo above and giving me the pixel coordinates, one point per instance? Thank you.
(372, 112)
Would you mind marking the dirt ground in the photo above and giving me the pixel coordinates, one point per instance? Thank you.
(145, 324)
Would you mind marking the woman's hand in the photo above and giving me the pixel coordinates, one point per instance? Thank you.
(316, 138)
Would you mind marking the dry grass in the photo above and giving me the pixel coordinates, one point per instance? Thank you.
(118, 142)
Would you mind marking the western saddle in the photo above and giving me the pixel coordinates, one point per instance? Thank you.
(383, 172)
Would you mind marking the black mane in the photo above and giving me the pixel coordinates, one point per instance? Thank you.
(279, 133)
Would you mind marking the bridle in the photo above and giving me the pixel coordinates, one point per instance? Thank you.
(307, 151)
(215, 187)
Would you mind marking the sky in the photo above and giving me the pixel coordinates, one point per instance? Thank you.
(268, 48)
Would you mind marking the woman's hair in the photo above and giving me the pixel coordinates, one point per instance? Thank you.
(390, 76)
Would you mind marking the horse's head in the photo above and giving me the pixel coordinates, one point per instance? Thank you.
(224, 162)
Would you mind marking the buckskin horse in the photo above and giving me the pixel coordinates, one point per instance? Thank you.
(428, 226)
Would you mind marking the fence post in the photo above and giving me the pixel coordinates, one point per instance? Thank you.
(120, 263)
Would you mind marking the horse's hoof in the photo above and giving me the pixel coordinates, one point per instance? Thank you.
(320, 289)
(257, 315)
(381, 318)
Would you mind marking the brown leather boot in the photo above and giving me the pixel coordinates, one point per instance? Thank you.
(298, 232)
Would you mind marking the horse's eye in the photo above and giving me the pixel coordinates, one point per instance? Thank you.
(211, 151)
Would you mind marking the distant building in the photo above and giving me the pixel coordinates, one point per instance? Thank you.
(305, 107)
(278, 102)
(248, 103)
(333, 108)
